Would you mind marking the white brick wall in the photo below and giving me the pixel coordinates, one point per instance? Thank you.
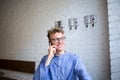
(114, 32)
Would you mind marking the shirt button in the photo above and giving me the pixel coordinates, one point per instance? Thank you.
(59, 68)
(58, 78)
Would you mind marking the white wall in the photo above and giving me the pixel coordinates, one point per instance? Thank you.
(114, 32)
(24, 25)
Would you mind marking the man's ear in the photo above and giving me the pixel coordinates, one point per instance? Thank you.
(49, 43)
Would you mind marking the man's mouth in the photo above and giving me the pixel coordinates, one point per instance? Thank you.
(59, 46)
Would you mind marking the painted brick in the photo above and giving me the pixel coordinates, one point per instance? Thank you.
(114, 31)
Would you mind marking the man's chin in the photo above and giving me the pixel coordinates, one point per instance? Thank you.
(60, 49)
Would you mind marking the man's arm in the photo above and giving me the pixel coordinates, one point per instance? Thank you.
(80, 70)
(42, 71)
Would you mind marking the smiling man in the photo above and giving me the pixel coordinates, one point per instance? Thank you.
(59, 64)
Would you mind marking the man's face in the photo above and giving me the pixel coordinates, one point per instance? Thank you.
(57, 39)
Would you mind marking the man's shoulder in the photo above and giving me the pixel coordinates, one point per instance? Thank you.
(72, 54)
(44, 57)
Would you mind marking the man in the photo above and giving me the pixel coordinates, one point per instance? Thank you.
(58, 64)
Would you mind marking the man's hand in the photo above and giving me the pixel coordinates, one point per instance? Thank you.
(51, 53)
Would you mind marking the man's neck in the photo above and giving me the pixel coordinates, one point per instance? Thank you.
(60, 52)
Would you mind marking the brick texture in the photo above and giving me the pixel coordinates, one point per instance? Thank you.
(114, 37)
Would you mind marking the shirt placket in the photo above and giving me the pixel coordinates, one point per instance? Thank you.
(58, 69)
(57, 63)
(59, 73)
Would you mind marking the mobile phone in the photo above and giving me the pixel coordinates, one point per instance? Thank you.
(50, 44)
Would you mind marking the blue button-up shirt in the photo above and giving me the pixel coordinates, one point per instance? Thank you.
(67, 66)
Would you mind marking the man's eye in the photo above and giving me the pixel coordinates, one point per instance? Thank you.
(53, 39)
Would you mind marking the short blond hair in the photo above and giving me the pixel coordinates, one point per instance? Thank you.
(54, 30)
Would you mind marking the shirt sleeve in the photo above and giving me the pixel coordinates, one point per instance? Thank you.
(80, 69)
(42, 71)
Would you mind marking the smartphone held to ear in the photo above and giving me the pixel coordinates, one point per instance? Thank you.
(53, 47)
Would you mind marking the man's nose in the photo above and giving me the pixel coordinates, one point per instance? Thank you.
(59, 40)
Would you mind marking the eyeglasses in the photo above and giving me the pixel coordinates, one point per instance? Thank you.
(58, 39)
